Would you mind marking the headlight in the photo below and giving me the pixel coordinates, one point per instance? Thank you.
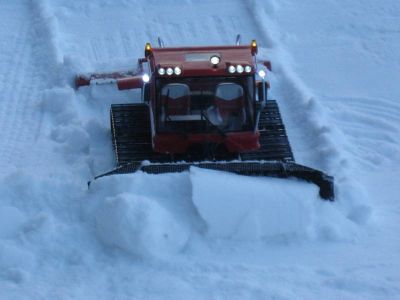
(146, 78)
(170, 71)
(247, 69)
(239, 68)
(261, 73)
(177, 71)
(161, 71)
(231, 69)
(215, 60)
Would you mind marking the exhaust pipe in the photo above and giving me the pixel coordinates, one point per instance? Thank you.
(160, 43)
(238, 40)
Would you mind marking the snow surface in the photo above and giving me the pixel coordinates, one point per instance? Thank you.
(199, 234)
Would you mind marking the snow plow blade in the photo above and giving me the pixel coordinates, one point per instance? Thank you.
(269, 169)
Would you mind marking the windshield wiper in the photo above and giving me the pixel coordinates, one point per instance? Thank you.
(220, 131)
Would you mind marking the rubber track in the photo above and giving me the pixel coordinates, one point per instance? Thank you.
(131, 133)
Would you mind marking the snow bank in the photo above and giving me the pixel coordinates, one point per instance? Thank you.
(140, 226)
(46, 47)
(249, 208)
(142, 214)
(59, 104)
(158, 215)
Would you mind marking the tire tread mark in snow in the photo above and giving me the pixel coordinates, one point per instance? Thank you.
(24, 80)
(16, 94)
(365, 124)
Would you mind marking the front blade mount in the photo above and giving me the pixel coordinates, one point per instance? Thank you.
(267, 168)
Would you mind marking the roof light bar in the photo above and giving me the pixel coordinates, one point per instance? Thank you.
(169, 71)
(239, 69)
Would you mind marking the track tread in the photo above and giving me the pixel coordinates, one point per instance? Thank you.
(131, 133)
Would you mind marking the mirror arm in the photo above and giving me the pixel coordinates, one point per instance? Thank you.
(260, 104)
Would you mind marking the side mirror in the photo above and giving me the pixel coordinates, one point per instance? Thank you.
(268, 65)
(146, 93)
(260, 91)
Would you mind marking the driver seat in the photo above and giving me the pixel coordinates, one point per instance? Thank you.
(229, 103)
(175, 99)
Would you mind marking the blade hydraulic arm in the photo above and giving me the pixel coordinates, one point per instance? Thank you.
(128, 79)
(124, 80)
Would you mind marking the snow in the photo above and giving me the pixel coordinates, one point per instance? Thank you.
(199, 234)
(252, 208)
(140, 226)
(11, 221)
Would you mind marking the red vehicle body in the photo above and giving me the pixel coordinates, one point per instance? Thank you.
(186, 123)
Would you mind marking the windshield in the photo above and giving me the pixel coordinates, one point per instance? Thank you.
(200, 104)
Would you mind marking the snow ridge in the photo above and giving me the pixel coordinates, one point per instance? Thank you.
(315, 140)
(296, 99)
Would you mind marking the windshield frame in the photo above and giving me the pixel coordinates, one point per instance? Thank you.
(202, 94)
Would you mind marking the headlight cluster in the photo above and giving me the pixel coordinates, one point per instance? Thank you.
(239, 68)
(169, 71)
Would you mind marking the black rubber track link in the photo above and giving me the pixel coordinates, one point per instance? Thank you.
(131, 134)
(273, 139)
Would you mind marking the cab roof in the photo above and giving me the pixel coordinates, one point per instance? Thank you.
(195, 61)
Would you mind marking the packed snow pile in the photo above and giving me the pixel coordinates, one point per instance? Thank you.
(272, 209)
(247, 208)
(210, 205)
(140, 226)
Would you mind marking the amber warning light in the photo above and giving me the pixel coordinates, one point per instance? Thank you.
(147, 50)
(254, 48)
